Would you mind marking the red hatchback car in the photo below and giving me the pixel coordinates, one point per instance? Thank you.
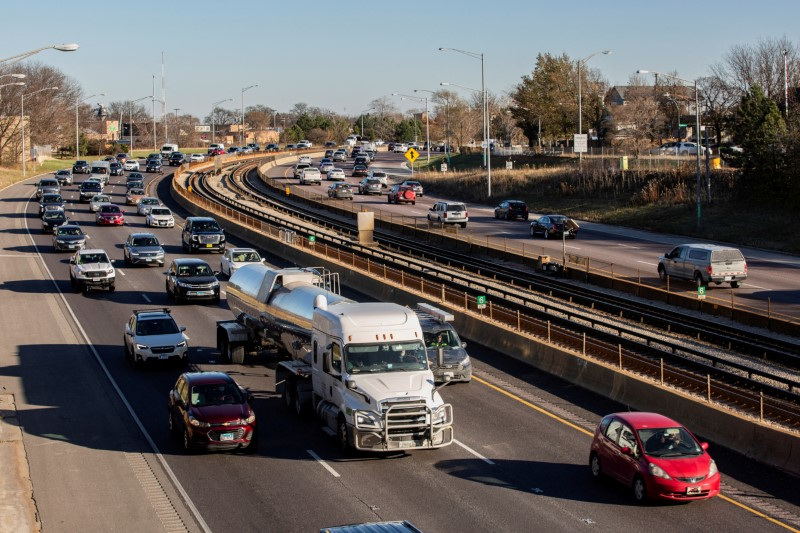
(209, 410)
(655, 456)
(110, 215)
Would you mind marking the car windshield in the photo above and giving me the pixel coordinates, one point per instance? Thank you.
(216, 394)
(385, 357)
(149, 201)
(206, 226)
(51, 198)
(109, 209)
(158, 212)
(101, 199)
(145, 241)
(53, 215)
(445, 338)
(669, 442)
(84, 259)
(558, 219)
(69, 231)
(156, 326)
(194, 270)
(136, 192)
(245, 257)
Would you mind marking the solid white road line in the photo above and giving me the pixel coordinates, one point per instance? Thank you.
(648, 264)
(473, 452)
(121, 271)
(327, 467)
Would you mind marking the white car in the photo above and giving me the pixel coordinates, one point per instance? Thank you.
(153, 334)
(311, 175)
(235, 258)
(98, 200)
(305, 159)
(89, 269)
(160, 217)
(304, 145)
(146, 203)
(326, 167)
(197, 158)
(131, 164)
(400, 148)
(336, 174)
(380, 142)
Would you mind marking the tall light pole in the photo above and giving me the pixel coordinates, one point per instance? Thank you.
(213, 122)
(427, 120)
(177, 129)
(785, 85)
(362, 120)
(487, 150)
(696, 135)
(677, 115)
(130, 117)
(77, 131)
(241, 129)
(22, 120)
(580, 107)
(155, 146)
(69, 47)
(488, 160)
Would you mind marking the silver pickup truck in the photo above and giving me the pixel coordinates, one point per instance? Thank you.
(703, 264)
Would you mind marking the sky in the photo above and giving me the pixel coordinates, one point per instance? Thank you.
(341, 56)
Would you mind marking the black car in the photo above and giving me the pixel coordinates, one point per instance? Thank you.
(189, 278)
(134, 176)
(115, 169)
(134, 184)
(254, 147)
(510, 209)
(202, 233)
(64, 176)
(50, 199)
(361, 160)
(154, 155)
(81, 167)
(88, 189)
(554, 226)
(176, 159)
(68, 237)
(53, 219)
(359, 171)
(153, 165)
(272, 147)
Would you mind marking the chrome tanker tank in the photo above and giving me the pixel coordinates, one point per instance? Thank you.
(279, 304)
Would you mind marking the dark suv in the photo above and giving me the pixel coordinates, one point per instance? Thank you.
(81, 167)
(88, 189)
(509, 209)
(202, 233)
(153, 165)
(189, 278)
(176, 159)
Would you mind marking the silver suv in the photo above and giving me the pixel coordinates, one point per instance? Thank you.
(153, 334)
(704, 263)
(449, 213)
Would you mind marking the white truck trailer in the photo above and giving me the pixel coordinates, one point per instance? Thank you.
(361, 367)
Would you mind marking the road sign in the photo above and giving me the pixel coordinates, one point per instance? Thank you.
(481, 301)
(509, 165)
(202, 129)
(412, 155)
(701, 293)
(581, 142)
(444, 167)
(312, 239)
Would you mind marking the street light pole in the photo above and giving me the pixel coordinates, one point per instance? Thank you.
(69, 47)
(696, 135)
(580, 106)
(485, 97)
(213, 121)
(427, 119)
(22, 120)
(177, 129)
(130, 117)
(785, 85)
(77, 131)
(241, 127)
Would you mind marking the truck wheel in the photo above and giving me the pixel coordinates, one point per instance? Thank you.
(237, 355)
(698, 279)
(734, 284)
(662, 273)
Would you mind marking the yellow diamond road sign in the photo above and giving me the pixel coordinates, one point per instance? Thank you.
(412, 154)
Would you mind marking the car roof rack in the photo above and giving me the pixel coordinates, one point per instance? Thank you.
(166, 310)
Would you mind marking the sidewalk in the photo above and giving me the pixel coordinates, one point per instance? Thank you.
(17, 507)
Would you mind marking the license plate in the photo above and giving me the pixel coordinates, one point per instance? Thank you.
(209, 245)
(199, 293)
(406, 444)
(692, 490)
(163, 356)
(727, 278)
(226, 436)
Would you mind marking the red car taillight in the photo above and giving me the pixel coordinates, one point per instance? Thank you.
(709, 269)
(745, 268)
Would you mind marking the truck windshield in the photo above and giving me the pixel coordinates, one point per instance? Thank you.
(385, 357)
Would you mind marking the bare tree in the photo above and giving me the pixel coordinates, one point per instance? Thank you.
(638, 121)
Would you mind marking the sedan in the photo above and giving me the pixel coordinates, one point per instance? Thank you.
(160, 216)
(557, 226)
(340, 191)
(133, 196)
(143, 249)
(131, 164)
(359, 171)
(209, 410)
(110, 215)
(50, 199)
(153, 165)
(52, 219)
(326, 167)
(98, 200)
(509, 209)
(147, 203)
(655, 456)
(339, 156)
(197, 158)
(68, 237)
(235, 258)
(336, 174)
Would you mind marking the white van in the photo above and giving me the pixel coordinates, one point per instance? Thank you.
(100, 170)
(167, 151)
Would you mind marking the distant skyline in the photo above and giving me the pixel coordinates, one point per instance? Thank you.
(341, 57)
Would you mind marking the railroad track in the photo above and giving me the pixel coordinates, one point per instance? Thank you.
(735, 383)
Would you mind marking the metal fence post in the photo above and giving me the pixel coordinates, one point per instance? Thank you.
(662, 370)
(708, 381)
(548, 331)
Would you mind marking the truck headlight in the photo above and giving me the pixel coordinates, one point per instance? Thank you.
(657, 471)
(442, 415)
(368, 419)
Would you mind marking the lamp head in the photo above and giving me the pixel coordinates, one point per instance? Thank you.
(444, 83)
(69, 47)
(18, 76)
(606, 52)
(642, 71)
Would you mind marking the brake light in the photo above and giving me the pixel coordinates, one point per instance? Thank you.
(745, 268)
(709, 269)
(445, 214)
(466, 213)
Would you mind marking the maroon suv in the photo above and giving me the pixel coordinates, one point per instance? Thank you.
(209, 410)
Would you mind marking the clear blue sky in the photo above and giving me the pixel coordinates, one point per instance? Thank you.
(342, 55)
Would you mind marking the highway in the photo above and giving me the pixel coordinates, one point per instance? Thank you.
(519, 463)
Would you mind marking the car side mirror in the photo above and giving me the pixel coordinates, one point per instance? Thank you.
(183, 328)
(463, 344)
(704, 445)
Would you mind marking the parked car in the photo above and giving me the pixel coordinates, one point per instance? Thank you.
(235, 258)
(64, 176)
(340, 191)
(370, 186)
(160, 217)
(190, 278)
(81, 167)
(202, 233)
(143, 249)
(52, 219)
(703, 264)
(90, 269)
(359, 171)
(246, 150)
(417, 186)
(152, 334)
(98, 200)
(133, 196)
(131, 164)
(146, 203)
(236, 150)
(153, 165)
(209, 410)
(336, 174)
(68, 237)
(449, 213)
(511, 209)
(402, 193)
(555, 226)
(272, 147)
(655, 456)
(109, 215)
(291, 147)
(254, 147)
